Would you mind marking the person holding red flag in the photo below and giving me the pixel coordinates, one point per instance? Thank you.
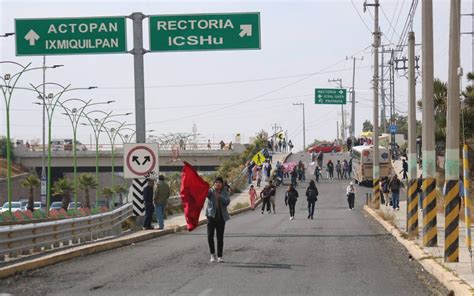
(193, 192)
(216, 212)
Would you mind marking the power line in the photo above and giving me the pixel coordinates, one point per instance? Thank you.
(389, 22)
(360, 16)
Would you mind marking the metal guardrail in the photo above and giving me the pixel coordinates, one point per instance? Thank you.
(23, 240)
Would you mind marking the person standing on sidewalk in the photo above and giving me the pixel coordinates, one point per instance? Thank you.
(272, 195)
(317, 173)
(394, 186)
(330, 168)
(311, 196)
(148, 199)
(161, 196)
(217, 215)
(291, 196)
(252, 196)
(339, 170)
(350, 193)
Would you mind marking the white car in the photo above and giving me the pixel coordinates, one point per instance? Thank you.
(16, 206)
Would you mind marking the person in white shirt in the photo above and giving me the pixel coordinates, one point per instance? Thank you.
(350, 192)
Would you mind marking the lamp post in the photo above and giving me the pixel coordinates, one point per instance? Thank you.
(51, 101)
(7, 87)
(97, 125)
(74, 115)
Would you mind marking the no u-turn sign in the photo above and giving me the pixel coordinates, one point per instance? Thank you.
(140, 160)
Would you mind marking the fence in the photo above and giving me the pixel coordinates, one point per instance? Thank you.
(23, 240)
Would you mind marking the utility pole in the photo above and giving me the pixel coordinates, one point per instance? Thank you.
(353, 96)
(375, 137)
(471, 33)
(304, 125)
(343, 126)
(451, 198)
(430, 231)
(412, 192)
(382, 90)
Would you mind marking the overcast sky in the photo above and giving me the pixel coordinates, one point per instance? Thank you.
(303, 44)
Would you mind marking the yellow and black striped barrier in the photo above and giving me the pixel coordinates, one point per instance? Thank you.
(412, 207)
(376, 190)
(430, 230)
(451, 221)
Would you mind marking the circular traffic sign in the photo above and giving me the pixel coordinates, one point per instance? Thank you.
(141, 160)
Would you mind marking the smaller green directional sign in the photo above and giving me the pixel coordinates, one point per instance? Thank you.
(330, 96)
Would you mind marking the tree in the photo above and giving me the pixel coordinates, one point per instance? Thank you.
(107, 192)
(87, 182)
(120, 190)
(63, 187)
(3, 148)
(367, 126)
(31, 182)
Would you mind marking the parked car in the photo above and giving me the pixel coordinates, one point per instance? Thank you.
(325, 148)
(16, 206)
(57, 205)
(38, 206)
(72, 206)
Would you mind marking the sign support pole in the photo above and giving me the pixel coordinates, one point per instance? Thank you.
(138, 68)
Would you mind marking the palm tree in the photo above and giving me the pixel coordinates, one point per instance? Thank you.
(31, 182)
(107, 192)
(63, 187)
(87, 182)
(120, 190)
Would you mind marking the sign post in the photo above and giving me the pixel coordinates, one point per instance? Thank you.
(57, 36)
(332, 96)
(205, 32)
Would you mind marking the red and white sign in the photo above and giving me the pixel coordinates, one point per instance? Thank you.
(140, 160)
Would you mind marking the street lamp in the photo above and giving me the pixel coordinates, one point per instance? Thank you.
(74, 115)
(50, 102)
(97, 125)
(304, 125)
(7, 87)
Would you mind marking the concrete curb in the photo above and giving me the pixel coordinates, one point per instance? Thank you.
(445, 277)
(97, 247)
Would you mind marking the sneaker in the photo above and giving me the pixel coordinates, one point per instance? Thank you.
(352, 208)
(213, 258)
(262, 212)
(220, 260)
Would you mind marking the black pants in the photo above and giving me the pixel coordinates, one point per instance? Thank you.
(218, 226)
(331, 174)
(149, 209)
(291, 204)
(311, 205)
(350, 200)
(265, 202)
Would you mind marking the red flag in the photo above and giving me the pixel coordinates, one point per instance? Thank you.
(193, 194)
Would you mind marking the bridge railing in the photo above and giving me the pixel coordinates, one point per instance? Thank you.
(17, 241)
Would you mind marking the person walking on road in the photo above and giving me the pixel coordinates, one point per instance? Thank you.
(161, 196)
(148, 199)
(394, 186)
(265, 196)
(345, 169)
(385, 191)
(317, 173)
(252, 196)
(404, 169)
(291, 196)
(350, 168)
(290, 145)
(217, 215)
(272, 195)
(311, 196)
(259, 176)
(350, 192)
(294, 175)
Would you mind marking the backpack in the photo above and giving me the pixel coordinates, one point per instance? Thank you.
(312, 194)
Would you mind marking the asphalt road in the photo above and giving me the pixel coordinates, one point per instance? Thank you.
(340, 252)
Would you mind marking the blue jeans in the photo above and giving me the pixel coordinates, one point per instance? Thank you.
(160, 211)
(250, 177)
(395, 199)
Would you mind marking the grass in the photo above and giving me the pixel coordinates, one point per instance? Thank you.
(387, 216)
(240, 205)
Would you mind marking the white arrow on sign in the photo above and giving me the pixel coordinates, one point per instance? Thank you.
(246, 30)
(341, 92)
(320, 96)
(31, 36)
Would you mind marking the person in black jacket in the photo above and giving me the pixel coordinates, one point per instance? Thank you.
(149, 207)
(311, 196)
(291, 196)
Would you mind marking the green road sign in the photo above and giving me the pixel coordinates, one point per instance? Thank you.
(330, 96)
(70, 36)
(205, 32)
